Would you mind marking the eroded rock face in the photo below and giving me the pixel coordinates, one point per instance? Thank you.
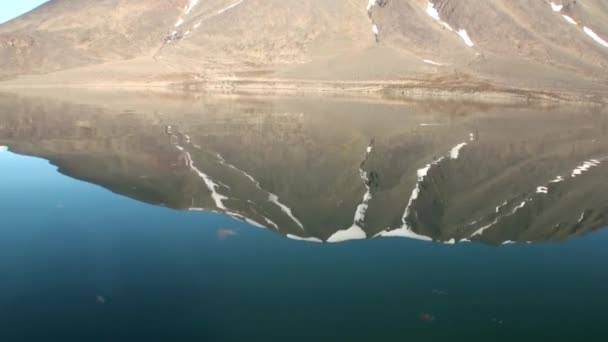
(334, 170)
(553, 45)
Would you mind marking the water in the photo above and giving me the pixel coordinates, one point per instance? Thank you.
(110, 231)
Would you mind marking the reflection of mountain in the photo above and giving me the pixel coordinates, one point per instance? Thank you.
(335, 170)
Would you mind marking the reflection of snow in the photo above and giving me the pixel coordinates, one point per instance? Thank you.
(271, 197)
(406, 230)
(582, 218)
(223, 233)
(585, 167)
(211, 185)
(307, 239)
(353, 233)
(455, 152)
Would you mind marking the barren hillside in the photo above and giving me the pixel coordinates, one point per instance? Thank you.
(444, 45)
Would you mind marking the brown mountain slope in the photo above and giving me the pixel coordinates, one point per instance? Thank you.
(559, 46)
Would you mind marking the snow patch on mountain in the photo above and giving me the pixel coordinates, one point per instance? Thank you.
(570, 20)
(465, 37)
(228, 8)
(432, 12)
(595, 37)
(555, 7)
(428, 61)
(370, 6)
(190, 6)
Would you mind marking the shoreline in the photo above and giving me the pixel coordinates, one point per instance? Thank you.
(450, 90)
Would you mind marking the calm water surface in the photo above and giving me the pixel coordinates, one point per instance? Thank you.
(154, 218)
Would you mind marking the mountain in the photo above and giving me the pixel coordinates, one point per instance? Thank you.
(556, 49)
(324, 169)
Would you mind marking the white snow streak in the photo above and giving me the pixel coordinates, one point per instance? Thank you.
(582, 218)
(455, 152)
(307, 239)
(481, 230)
(356, 231)
(585, 167)
(230, 7)
(371, 4)
(275, 199)
(569, 19)
(221, 11)
(523, 204)
(3, 149)
(271, 197)
(353, 233)
(556, 8)
(191, 6)
(362, 207)
(406, 230)
(595, 37)
(246, 219)
(212, 186)
(465, 37)
(428, 61)
(433, 13)
(270, 222)
(179, 22)
(375, 29)
(579, 170)
(501, 206)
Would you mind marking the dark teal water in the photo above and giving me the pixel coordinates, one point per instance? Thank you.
(79, 263)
